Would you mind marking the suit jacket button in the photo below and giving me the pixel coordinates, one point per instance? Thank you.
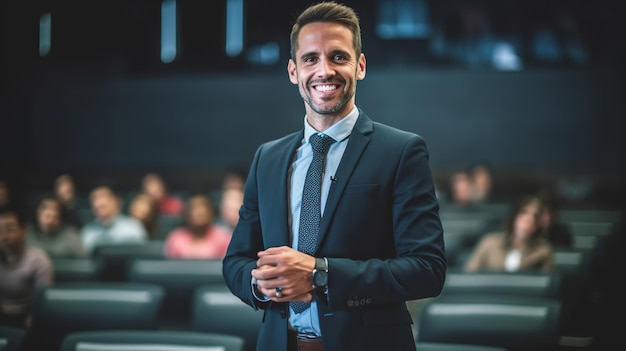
(369, 300)
(283, 313)
(350, 303)
(362, 302)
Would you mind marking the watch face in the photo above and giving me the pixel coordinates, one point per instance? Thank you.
(320, 279)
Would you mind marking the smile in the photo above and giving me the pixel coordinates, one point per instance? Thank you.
(325, 88)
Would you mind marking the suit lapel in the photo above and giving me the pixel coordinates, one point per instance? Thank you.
(359, 138)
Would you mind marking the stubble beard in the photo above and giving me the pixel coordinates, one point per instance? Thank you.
(345, 97)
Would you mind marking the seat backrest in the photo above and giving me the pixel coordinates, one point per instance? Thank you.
(150, 340)
(68, 269)
(443, 346)
(80, 306)
(507, 321)
(115, 258)
(529, 283)
(179, 278)
(217, 310)
(589, 215)
(11, 338)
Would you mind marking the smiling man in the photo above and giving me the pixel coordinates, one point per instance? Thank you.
(340, 224)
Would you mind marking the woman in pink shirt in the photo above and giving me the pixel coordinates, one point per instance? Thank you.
(199, 238)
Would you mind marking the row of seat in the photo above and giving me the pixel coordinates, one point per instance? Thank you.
(178, 278)
(12, 339)
(471, 307)
(95, 306)
(512, 311)
(149, 340)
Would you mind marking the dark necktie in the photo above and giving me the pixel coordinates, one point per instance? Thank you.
(310, 209)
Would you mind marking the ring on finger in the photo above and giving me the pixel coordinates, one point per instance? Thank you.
(279, 292)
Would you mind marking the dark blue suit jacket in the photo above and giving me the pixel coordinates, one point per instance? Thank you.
(381, 233)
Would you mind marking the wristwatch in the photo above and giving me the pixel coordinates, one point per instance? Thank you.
(320, 274)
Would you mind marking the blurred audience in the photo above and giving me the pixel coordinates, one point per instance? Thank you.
(110, 225)
(234, 179)
(168, 205)
(23, 269)
(50, 233)
(143, 208)
(65, 191)
(461, 189)
(199, 238)
(520, 246)
(230, 203)
(5, 193)
(483, 178)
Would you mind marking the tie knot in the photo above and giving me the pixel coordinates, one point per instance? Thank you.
(320, 142)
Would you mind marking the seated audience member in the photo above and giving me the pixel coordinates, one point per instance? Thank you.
(65, 192)
(23, 270)
(557, 233)
(234, 179)
(230, 202)
(143, 208)
(168, 205)
(50, 233)
(5, 194)
(110, 225)
(199, 238)
(482, 178)
(461, 189)
(520, 246)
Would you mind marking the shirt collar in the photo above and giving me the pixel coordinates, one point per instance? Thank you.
(338, 131)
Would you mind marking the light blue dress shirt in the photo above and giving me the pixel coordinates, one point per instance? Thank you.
(307, 322)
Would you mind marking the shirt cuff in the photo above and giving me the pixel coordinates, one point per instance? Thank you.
(253, 285)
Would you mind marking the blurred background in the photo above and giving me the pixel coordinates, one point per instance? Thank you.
(188, 89)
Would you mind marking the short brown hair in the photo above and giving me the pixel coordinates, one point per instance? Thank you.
(329, 11)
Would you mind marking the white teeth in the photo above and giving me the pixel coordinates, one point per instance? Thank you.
(325, 87)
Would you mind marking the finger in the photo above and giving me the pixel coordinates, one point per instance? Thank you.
(265, 274)
(271, 260)
(273, 251)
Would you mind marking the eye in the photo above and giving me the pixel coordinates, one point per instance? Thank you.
(340, 58)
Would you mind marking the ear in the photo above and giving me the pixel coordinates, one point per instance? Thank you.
(293, 74)
(360, 73)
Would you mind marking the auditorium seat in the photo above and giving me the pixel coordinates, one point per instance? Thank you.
(442, 346)
(150, 340)
(589, 215)
(11, 338)
(68, 269)
(217, 310)
(524, 283)
(114, 258)
(179, 278)
(81, 306)
(515, 323)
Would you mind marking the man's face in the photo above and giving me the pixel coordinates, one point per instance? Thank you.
(11, 232)
(104, 204)
(326, 68)
(49, 215)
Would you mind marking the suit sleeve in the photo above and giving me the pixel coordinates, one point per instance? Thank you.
(246, 241)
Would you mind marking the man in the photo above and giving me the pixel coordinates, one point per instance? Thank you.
(110, 226)
(23, 270)
(380, 240)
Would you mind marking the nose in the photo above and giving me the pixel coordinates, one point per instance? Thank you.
(326, 68)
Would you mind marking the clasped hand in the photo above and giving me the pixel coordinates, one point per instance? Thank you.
(287, 269)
